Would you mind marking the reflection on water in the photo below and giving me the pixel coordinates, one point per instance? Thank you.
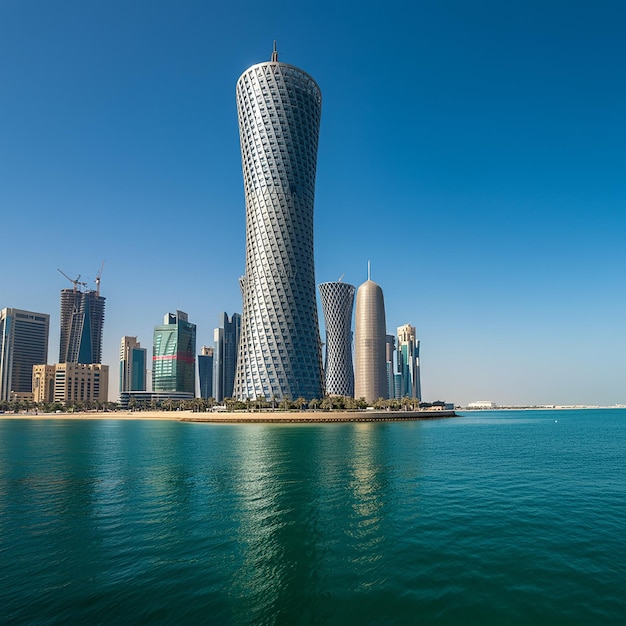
(307, 498)
(155, 522)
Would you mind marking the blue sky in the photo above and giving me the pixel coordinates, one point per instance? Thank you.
(474, 152)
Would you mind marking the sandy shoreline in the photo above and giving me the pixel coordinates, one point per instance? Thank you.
(243, 417)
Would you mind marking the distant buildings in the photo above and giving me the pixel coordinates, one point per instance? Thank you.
(337, 304)
(133, 364)
(370, 370)
(23, 343)
(279, 108)
(409, 363)
(173, 355)
(205, 372)
(70, 382)
(82, 321)
(482, 404)
(225, 347)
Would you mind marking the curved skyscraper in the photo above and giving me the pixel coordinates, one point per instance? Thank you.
(370, 337)
(337, 302)
(82, 321)
(279, 108)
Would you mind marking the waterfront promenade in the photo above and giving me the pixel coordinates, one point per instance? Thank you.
(244, 417)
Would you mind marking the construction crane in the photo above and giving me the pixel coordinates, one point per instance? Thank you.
(98, 277)
(74, 281)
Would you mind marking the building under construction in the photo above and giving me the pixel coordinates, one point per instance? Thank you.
(82, 321)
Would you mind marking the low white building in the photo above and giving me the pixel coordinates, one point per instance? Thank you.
(482, 404)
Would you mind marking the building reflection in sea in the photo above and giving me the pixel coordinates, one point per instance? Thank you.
(308, 496)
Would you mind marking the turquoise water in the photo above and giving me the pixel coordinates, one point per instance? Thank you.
(514, 517)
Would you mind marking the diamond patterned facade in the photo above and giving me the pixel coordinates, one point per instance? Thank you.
(337, 304)
(280, 356)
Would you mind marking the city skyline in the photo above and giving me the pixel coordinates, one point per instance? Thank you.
(487, 141)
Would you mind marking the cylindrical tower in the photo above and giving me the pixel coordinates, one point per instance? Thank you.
(279, 108)
(370, 371)
(337, 302)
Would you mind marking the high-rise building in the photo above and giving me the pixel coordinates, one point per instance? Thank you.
(370, 371)
(280, 355)
(82, 321)
(226, 344)
(23, 343)
(337, 303)
(390, 348)
(205, 372)
(174, 354)
(71, 382)
(133, 363)
(408, 362)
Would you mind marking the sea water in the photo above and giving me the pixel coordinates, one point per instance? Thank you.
(495, 517)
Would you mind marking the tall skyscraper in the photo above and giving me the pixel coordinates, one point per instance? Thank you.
(133, 362)
(174, 354)
(205, 372)
(337, 303)
(280, 355)
(82, 321)
(408, 362)
(23, 343)
(226, 345)
(370, 371)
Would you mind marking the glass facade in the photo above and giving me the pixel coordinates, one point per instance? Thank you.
(205, 372)
(82, 322)
(133, 363)
(408, 362)
(173, 357)
(226, 345)
(23, 343)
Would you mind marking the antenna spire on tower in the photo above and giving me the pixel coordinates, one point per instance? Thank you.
(369, 271)
(275, 53)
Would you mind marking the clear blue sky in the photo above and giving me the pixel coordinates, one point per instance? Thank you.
(474, 152)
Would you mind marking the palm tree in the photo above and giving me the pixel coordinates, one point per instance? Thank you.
(326, 404)
(300, 402)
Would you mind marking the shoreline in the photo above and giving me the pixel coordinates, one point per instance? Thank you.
(288, 417)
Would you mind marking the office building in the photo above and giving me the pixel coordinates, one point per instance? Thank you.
(408, 362)
(370, 371)
(133, 363)
(390, 348)
(23, 343)
(174, 355)
(337, 304)
(280, 355)
(82, 322)
(71, 382)
(225, 347)
(205, 372)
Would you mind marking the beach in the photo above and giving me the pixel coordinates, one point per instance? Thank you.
(242, 417)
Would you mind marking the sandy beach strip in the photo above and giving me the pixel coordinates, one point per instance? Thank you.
(242, 417)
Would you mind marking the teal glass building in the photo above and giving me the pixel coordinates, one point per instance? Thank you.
(133, 364)
(173, 354)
